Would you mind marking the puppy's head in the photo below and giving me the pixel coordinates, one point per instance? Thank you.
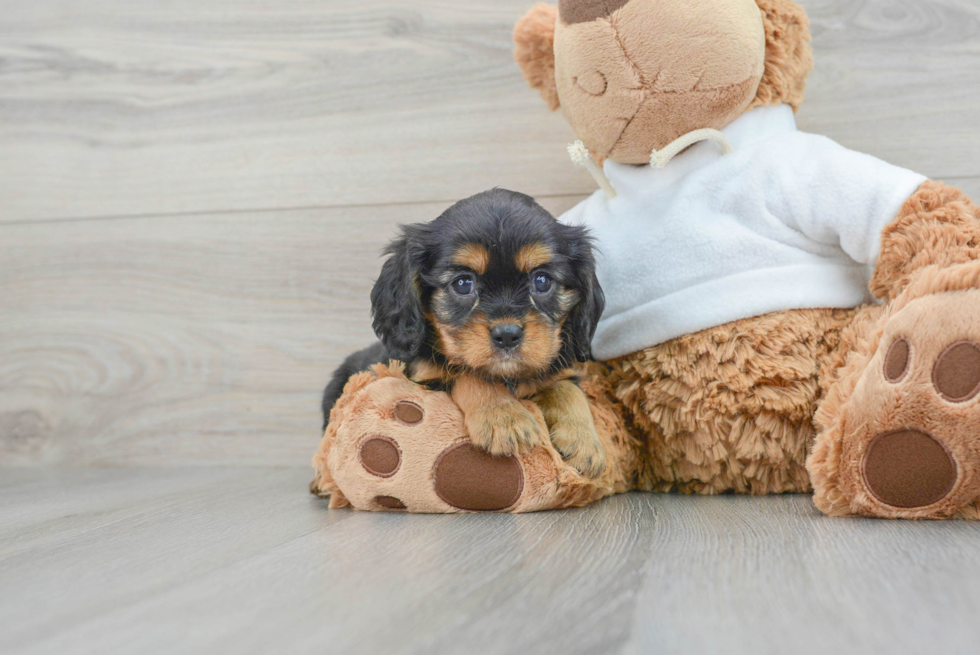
(495, 284)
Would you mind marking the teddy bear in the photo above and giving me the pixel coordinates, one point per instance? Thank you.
(783, 315)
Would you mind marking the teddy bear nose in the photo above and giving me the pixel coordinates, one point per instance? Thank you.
(506, 336)
(583, 11)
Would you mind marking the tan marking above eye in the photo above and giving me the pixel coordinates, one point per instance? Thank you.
(532, 256)
(473, 256)
(593, 83)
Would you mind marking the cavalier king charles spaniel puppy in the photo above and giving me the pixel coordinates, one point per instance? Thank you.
(493, 302)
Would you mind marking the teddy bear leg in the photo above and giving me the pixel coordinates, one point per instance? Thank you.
(730, 408)
(392, 445)
(900, 433)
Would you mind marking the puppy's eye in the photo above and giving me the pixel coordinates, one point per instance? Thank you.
(463, 285)
(541, 283)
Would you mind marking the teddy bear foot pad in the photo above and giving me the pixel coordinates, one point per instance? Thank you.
(394, 446)
(463, 476)
(914, 448)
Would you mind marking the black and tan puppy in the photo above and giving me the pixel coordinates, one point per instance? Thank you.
(493, 301)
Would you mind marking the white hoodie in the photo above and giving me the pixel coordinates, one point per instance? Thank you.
(788, 221)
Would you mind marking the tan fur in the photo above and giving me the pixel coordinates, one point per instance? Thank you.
(365, 410)
(473, 256)
(770, 404)
(534, 51)
(730, 408)
(789, 55)
(542, 341)
(571, 428)
(653, 71)
(470, 346)
(650, 71)
(532, 256)
(939, 307)
(937, 225)
(496, 420)
(323, 482)
(425, 371)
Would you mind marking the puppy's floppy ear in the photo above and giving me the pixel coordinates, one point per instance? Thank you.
(534, 51)
(396, 302)
(584, 317)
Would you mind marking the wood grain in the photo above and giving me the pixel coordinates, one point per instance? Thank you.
(193, 197)
(184, 339)
(135, 107)
(163, 305)
(219, 560)
(139, 107)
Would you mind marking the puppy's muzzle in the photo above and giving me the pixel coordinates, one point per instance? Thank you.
(507, 336)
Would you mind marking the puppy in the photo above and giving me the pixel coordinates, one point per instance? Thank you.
(494, 301)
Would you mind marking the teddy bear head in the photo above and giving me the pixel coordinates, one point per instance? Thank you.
(632, 76)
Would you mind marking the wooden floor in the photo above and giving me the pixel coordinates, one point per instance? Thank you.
(236, 561)
(193, 197)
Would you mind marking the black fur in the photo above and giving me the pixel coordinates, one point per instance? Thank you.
(420, 262)
(395, 301)
(581, 324)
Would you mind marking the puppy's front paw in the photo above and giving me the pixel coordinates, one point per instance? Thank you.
(504, 428)
(579, 444)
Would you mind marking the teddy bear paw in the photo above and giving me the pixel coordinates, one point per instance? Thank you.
(910, 443)
(406, 449)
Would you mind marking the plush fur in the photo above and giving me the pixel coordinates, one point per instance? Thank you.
(789, 56)
(730, 408)
(938, 226)
(787, 402)
(940, 307)
(534, 51)
(648, 71)
(365, 411)
(738, 407)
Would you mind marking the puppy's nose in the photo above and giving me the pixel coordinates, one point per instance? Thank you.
(507, 335)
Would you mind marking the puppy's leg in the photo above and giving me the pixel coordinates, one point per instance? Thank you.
(566, 411)
(495, 419)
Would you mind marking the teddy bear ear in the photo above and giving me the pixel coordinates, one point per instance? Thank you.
(534, 51)
(789, 57)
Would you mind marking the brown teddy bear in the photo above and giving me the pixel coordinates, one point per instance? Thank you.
(783, 315)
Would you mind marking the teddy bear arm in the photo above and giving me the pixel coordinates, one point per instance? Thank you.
(938, 226)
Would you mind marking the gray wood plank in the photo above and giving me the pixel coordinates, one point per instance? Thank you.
(134, 107)
(204, 560)
(896, 79)
(184, 339)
